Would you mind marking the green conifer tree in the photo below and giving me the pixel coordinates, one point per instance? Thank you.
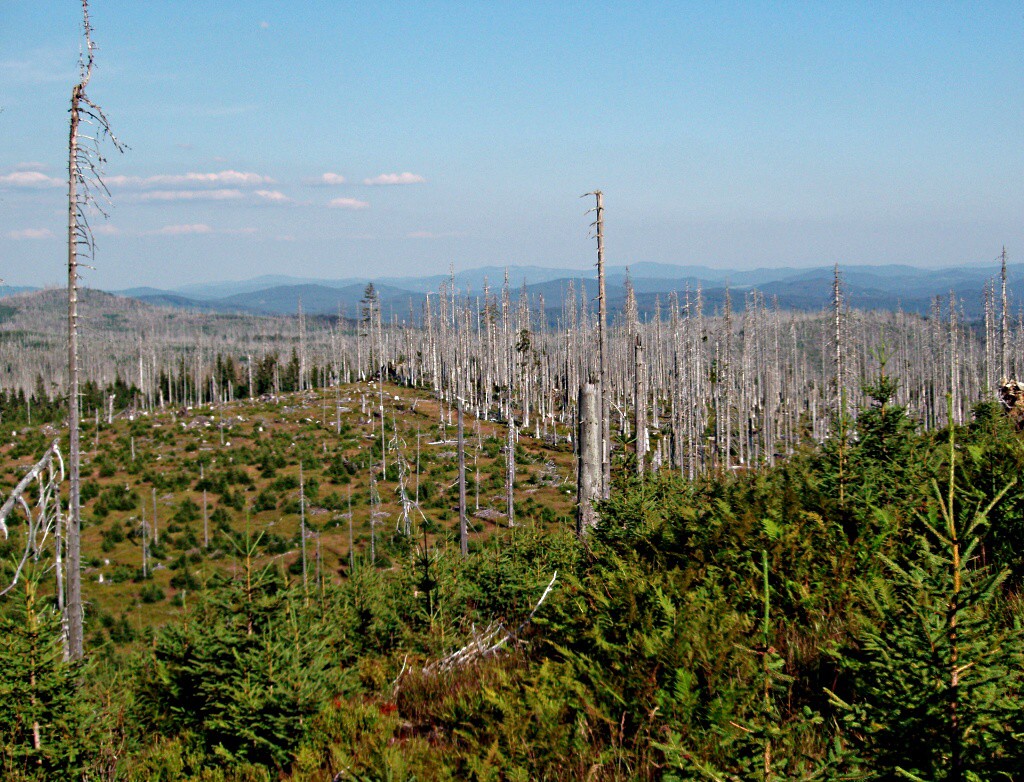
(938, 677)
(41, 720)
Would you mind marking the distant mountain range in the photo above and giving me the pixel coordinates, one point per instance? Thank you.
(867, 287)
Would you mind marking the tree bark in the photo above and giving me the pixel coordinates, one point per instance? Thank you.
(74, 525)
(589, 467)
(463, 521)
(640, 405)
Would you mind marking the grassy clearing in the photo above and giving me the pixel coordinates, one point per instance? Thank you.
(247, 455)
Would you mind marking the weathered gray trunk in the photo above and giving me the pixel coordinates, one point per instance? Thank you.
(302, 530)
(1004, 343)
(206, 515)
(640, 405)
(589, 467)
(463, 521)
(74, 526)
(510, 474)
(606, 414)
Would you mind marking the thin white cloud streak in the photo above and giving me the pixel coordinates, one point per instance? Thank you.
(273, 196)
(179, 229)
(405, 178)
(191, 179)
(30, 233)
(30, 180)
(189, 195)
(183, 230)
(348, 203)
(30, 166)
(330, 178)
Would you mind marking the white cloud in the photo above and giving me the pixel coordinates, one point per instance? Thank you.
(405, 178)
(190, 195)
(198, 229)
(191, 179)
(30, 179)
(329, 179)
(31, 233)
(265, 25)
(107, 230)
(29, 166)
(182, 230)
(348, 203)
(274, 196)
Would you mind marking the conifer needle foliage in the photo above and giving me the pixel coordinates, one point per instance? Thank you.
(938, 673)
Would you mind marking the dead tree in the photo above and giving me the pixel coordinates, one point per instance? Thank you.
(463, 521)
(48, 473)
(302, 531)
(206, 516)
(840, 357)
(1004, 362)
(639, 405)
(85, 187)
(483, 643)
(510, 474)
(602, 329)
(156, 520)
(588, 473)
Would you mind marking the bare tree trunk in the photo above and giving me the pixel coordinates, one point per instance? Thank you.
(588, 483)
(639, 405)
(206, 516)
(74, 526)
(510, 474)
(302, 531)
(145, 547)
(602, 327)
(1004, 363)
(156, 531)
(83, 177)
(840, 357)
(463, 521)
(351, 538)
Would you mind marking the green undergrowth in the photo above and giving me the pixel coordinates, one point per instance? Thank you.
(851, 613)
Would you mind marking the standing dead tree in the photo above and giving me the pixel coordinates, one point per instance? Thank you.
(48, 473)
(640, 404)
(42, 522)
(602, 327)
(85, 193)
(588, 473)
(1004, 363)
(510, 474)
(463, 521)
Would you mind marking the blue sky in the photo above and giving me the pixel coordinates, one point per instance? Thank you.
(727, 134)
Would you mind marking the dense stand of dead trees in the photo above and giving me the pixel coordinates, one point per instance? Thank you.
(700, 389)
